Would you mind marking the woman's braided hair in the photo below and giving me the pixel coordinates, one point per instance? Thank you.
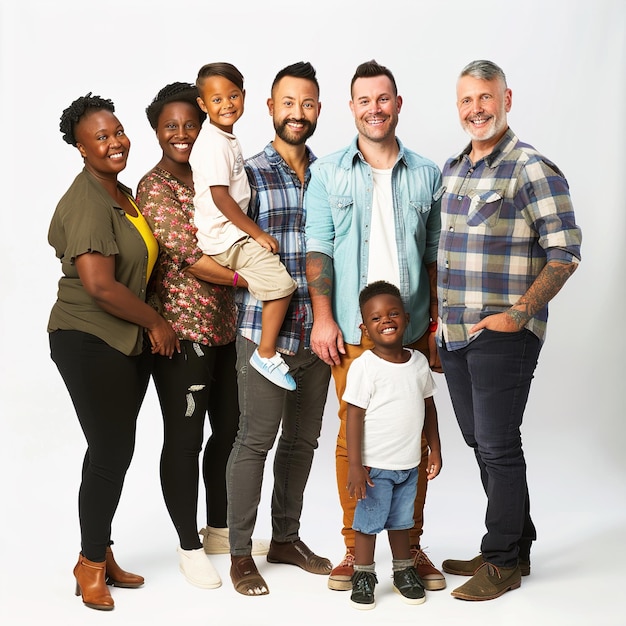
(174, 92)
(71, 116)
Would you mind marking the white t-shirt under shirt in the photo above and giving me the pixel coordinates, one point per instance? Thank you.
(392, 395)
(383, 247)
(216, 160)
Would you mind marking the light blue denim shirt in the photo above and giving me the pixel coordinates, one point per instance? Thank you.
(338, 204)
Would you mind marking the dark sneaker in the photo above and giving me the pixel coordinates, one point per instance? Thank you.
(409, 585)
(489, 582)
(432, 578)
(469, 568)
(340, 578)
(363, 584)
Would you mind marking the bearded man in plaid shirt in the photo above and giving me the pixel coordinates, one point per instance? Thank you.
(509, 241)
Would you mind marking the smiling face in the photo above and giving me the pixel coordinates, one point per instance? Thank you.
(294, 107)
(177, 129)
(222, 101)
(375, 107)
(483, 105)
(384, 320)
(102, 143)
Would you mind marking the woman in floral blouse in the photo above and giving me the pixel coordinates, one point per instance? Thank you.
(197, 298)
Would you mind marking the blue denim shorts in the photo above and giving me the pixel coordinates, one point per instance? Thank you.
(389, 504)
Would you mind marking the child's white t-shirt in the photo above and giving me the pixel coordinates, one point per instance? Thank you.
(216, 160)
(392, 395)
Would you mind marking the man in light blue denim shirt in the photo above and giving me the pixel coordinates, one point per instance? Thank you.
(372, 213)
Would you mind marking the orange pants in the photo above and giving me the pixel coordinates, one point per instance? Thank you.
(348, 504)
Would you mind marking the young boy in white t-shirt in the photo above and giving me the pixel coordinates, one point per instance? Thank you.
(389, 393)
(225, 232)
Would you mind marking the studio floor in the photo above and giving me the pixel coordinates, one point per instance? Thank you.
(576, 578)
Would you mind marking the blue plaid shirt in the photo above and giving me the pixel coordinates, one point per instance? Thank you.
(502, 219)
(276, 205)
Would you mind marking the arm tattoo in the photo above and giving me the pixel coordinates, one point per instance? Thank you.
(319, 274)
(547, 284)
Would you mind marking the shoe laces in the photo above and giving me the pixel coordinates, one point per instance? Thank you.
(364, 582)
(420, 557)
(492, 570)
(348, 560)
(408, 577)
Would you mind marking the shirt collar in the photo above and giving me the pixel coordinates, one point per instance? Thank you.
(502, 149)
(275, 159)
(353, 151)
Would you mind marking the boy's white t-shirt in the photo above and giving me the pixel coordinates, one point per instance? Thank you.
(215, 160)
(392, 395)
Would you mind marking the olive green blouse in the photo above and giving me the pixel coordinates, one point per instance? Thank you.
(87, 219)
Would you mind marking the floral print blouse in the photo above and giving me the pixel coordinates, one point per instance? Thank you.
(198, 311)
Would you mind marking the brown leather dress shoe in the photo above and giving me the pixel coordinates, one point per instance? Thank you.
(246, 578)
(298, 553)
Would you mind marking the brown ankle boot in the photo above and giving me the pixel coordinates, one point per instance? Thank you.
(117, 577)
(91, 584)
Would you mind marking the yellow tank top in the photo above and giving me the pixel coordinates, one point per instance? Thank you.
(139, 222)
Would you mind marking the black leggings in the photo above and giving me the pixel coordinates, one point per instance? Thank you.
(197, 381)
(107, 389)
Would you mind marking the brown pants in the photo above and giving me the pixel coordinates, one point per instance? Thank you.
(348, 504)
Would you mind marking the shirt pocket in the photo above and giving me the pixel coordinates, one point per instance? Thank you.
(484, 208)
(342, 208)
(416, 218)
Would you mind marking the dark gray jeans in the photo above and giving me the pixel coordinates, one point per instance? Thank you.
(264, 408)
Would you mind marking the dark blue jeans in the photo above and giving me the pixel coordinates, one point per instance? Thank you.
(489, 381)
(265, 410)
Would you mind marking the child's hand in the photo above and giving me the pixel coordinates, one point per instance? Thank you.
(434, 465)
(358, 478)
(268, 242)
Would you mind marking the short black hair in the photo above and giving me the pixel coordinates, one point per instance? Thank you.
(226, 70)
(370, 69)
(378, 288)
(301, 69)
(72, 115)
(174, 92)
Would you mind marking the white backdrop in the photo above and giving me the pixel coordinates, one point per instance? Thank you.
(565, 62)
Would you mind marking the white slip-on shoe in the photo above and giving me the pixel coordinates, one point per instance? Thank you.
(197, 569)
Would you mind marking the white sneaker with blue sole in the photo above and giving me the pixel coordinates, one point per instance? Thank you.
(274, 369)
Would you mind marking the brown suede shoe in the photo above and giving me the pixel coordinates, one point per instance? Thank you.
(432, 578)
(340, 578)
(298, 553)
(468, 568)
(462, 568)
(489, 582)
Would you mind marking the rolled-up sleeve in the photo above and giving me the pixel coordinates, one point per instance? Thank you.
(319, 228)
(545, 201)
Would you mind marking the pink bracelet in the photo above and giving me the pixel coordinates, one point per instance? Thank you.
(235, 279)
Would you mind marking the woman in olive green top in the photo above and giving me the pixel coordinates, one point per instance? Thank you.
(102, 332)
